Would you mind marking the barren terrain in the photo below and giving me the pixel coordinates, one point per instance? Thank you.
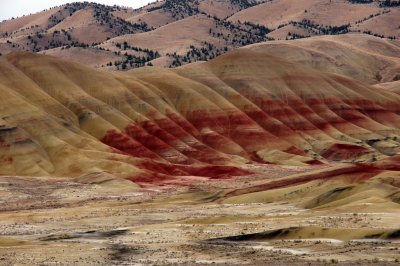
(58, 221)
(280, 152)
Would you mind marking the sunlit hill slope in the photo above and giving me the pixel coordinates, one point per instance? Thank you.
(158, 126)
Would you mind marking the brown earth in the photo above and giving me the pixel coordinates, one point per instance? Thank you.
(283, 152)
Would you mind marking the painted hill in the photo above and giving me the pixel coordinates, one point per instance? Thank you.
(247, 150)
(160, 126)
(171, 33)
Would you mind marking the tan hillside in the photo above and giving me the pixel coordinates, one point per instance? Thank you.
(384, 24)
(27, 23)
(367, 17)
(391, 86)
(363, 57)
(190, 30)
(153, 19)
(326, 12)
(94, 57)
(163, 41)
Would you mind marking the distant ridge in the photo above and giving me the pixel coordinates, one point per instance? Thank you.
(172, 33)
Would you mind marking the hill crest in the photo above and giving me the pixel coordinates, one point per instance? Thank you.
(114, 37)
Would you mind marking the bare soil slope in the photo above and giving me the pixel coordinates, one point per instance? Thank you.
(360, 56)
(160, 126)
